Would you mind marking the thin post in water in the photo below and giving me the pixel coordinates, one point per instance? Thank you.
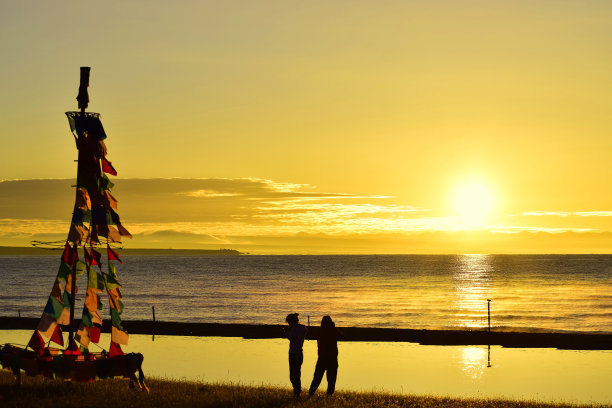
(489, 313)
(153, 309)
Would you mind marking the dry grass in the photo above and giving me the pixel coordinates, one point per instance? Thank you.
(42, 392)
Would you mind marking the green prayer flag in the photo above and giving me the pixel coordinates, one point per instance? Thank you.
(94, 279)
(105, 184)
(72, 123)
(116, 319)
(66, 300)
(80, 267)
(86, 319)
(64, 271)
(112, 270)
(54, 308)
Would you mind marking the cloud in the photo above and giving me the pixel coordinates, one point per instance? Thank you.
(566, 213)
(243, 211)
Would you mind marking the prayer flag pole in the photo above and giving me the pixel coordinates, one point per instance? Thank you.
(83, 101)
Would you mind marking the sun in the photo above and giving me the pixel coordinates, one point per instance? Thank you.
(472, 203)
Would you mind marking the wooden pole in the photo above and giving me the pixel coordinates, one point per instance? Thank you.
(83, 96)
(153, 309)
(489, 313)
(72, 296)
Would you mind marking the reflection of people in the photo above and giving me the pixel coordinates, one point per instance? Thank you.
(296, 335)
(327, 343)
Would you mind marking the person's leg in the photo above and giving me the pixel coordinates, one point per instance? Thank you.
(295, 371)
(332, 374)
(317, 377)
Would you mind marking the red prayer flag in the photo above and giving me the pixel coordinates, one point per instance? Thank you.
(112, 255)
(115, 350)
(93, 257)
(72, 349)
(107, 167)
(37, 343)
(96, 256)
(70, 255)
(57, 336)
(94, 333)
(88, 257)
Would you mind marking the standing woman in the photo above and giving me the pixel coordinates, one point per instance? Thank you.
(327, 344)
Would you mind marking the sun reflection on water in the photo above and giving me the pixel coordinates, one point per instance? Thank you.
(473, 361)
(472, 286)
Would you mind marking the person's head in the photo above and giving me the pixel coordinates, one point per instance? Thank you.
(292, 319)
(327, 322)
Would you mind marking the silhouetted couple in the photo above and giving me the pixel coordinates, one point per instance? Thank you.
(327, 346)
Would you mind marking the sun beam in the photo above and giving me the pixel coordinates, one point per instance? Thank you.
(472, 203)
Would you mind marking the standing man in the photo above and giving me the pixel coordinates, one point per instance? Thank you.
(296, 334)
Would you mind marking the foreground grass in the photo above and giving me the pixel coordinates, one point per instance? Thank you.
(41, 392)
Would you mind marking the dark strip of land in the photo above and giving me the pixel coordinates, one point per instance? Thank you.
(570, 341)
(22, 251)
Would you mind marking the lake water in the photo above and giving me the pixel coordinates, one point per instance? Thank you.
(529, 292)
(405, 368)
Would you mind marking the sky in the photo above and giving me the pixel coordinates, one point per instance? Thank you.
(318, 126)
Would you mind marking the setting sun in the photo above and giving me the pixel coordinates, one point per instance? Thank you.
(472, 202)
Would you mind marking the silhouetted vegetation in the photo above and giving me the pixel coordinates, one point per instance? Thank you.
(41, 392)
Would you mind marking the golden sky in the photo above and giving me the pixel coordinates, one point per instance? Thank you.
(318, 126)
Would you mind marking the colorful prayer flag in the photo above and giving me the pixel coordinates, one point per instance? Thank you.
(93, 257)
(78, 233)
(94, 332)
(37, 343)
(82, 335)
(107, 167)
(119, 336)
(46, 325)
(57, 336)
(54, 308)
(70, 255)
(109, 200)
(72, 349)
(115, 350)
(113, 235)
(112, 255)
(123, 231)
(82, 199)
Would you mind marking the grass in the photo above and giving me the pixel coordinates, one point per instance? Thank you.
(42, 392)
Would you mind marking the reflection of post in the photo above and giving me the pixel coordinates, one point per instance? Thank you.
(489, 332)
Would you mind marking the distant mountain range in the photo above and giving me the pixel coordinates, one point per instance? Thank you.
(6, 250)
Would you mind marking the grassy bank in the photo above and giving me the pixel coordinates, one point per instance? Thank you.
(41, 392)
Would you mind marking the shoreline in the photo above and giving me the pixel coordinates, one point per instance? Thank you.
(36, 251)
(566, 341)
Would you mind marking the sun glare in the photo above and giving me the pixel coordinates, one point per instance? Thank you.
(473, 203)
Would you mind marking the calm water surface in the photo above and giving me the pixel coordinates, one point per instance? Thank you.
(541, 374)
(529, 292)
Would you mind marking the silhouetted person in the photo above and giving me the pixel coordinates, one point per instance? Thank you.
(327, 344)
(296, 335)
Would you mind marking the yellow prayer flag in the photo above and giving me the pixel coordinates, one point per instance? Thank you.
(119, 336)
(82, 336)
